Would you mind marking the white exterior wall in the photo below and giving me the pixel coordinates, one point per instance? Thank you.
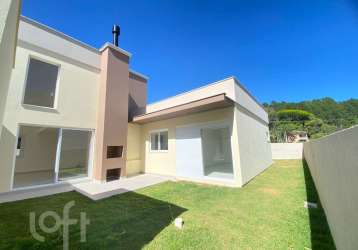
(9, 13)
(189, 158)
(253, 143)
(287, 151)
(225, 86)
(246, 100)
(333, 163)
(231, 87)
(189, 149)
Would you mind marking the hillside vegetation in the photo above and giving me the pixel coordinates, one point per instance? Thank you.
(318, 117)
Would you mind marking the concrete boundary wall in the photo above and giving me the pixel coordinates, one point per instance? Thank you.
(333, 163)
(286, 151)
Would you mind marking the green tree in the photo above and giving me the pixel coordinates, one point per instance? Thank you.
(294, 115)
(327, 116)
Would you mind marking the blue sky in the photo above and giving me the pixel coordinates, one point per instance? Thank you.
(280, 50)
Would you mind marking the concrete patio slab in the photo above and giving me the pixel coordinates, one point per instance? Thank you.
(92, 189)
(35, 192)
(96, 190)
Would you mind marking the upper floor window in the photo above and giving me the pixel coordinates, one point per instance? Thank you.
(41, 84)
(159, 141)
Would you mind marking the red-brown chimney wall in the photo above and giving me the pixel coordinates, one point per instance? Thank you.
(137, 95)
(112, 116)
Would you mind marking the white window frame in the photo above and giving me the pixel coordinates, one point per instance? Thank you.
(158, 131)
(55, 101)
(268, 137)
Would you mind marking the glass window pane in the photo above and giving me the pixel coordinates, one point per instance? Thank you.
(74, 153)
(36, 156)
(164, 140)
(154, 140)
(41, 84)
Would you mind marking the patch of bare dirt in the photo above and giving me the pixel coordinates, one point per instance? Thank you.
(271, 191)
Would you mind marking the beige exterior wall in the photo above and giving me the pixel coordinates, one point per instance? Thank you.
(76, 95)
(76, 105)
(9, 15)
(39, 36)
(253, 143)
(333, 163)
(165, 162)
(80, 101)
(134, 163)
(287, 151)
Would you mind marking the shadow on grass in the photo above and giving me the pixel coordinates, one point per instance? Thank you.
(126, 221)
(321, 237)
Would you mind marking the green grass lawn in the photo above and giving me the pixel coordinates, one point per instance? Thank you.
(267, 213)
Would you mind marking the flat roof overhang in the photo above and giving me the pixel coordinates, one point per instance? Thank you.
(205, 104)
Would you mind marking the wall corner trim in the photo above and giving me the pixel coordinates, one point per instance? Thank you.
(138, 74)
(109, 45)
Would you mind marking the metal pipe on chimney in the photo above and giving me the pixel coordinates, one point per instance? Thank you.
(116, 32)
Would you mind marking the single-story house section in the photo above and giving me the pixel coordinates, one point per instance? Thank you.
(216, 134)
(77, 113)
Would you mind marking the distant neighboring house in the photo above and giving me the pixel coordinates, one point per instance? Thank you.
(296, 136)
(77, 113)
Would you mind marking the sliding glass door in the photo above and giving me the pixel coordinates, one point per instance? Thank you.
(35, 156)
(49, 155)
(74, 154)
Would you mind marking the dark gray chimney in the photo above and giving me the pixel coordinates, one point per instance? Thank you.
(115, 31)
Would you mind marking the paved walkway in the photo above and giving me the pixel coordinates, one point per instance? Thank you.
(35, 192)
(92, 189)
